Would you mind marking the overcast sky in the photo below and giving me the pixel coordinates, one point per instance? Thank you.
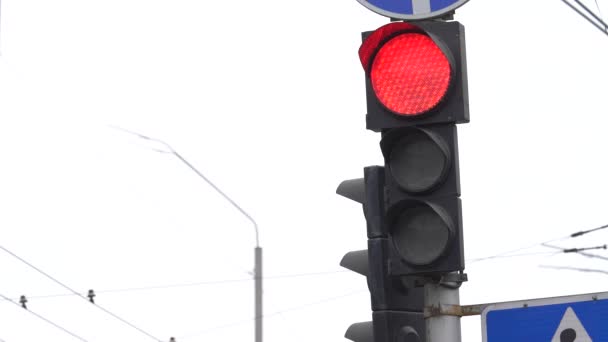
(267, 100)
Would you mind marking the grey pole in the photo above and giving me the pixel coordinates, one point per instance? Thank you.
(258, 294)
(257, 270)
(442, 328)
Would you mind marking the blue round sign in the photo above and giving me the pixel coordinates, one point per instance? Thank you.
(412, 9)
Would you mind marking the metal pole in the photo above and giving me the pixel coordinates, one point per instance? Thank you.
(258, 294)
(442, 328)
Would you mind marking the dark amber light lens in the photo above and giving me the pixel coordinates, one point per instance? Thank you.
(418, 163)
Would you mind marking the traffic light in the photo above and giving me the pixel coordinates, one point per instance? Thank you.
(416, 86)
(416, 89)
(397, 305)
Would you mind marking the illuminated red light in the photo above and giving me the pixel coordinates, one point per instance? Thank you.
(410, 74)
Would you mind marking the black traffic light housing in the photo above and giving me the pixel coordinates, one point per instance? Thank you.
(422, 188)
(416, 86)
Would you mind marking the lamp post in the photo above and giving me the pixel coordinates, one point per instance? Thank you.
(257, 270)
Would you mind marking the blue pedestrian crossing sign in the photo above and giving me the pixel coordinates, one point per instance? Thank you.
(412, 9)
(580, 318)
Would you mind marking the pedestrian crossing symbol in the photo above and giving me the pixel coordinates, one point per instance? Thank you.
(571, 329)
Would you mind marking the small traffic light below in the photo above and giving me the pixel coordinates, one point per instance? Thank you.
(397, 305)
(389, 326)
(410, 326)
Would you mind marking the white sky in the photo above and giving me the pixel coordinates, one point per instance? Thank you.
(267, 100)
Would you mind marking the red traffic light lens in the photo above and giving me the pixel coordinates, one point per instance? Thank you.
(410, 74)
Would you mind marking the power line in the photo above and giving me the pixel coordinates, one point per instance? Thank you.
(79, 295)
(593, 256)
(588, 270)
(146, 288)
(509, 253)
(583, 232)
(192, 284)
(296, 275)
(45, 319)
(322, 301)
(228, 325)
(589, 16)
(599, 11)
(580, 251)
(499, 256)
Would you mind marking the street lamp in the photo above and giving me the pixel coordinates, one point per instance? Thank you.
(257, 270)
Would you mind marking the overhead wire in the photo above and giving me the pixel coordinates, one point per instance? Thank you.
(275, 313)
(580, 251)
(593, 256)
(189, 284)
(46, 320)
(321, 301)
(80, 295)
(599, 12)
(509, 253)
(511, 256)
(583, 232)
(73, 292)
(590, 16)
(588, 270)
